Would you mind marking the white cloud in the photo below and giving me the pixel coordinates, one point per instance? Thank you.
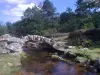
(13, 1)
(19, 1)
(14, 9)
(18, 10)
(25, 6)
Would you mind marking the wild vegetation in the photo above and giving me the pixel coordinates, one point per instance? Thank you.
(44, 19)
(82, 25)
(9, 65)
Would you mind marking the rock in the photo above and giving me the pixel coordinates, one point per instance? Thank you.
(31, 46)
(10, 64)
(57, 57)
(95, 64)
(9, 38)
(81, 59)
(37, 38)
(84, 49)
(91, 69)
(14, 47)
(10, 44)
(6, 36)
(69, 55)
(4, 51)
(71, 47)
(3, 45)
(59, 44)
(31, 42)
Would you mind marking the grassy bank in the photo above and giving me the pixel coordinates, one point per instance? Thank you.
(9, 64)
(90, 53)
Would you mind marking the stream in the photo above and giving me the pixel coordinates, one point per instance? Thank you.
(39, 65)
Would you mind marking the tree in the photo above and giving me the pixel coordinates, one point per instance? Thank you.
(3, 29)
(84, 13)
(93, 4)
(10, 28)
(66, 16)
(31, 23)
(96, 19)
(49, 15)
(48, 9)
(68, 21)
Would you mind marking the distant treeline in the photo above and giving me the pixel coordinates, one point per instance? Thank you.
(44, 19)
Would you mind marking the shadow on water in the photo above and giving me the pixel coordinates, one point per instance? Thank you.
(41, 66)
(64, 69)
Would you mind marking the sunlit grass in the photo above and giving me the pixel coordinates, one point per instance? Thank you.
(9, 64)
(93, 53)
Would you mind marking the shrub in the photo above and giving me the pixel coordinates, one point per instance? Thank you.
(86, 38)
(75, 38)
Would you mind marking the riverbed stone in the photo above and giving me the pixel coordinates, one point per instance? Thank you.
(95, 64)
(81, 59)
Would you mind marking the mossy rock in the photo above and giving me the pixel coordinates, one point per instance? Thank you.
(81, 59)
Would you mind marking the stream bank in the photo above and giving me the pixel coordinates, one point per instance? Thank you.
(40, 52)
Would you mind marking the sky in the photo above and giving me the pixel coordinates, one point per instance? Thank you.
(12, 10)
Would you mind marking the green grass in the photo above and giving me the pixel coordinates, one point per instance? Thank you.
(92, 53)
(9, 64)
(61, 38)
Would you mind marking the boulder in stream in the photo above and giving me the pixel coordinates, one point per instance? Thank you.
(95, 64)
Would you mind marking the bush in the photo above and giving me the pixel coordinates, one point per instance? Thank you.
(90, 37)
(75, 38)
(93, 34)
(88, 25)
(87, 43)
(49, 31)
